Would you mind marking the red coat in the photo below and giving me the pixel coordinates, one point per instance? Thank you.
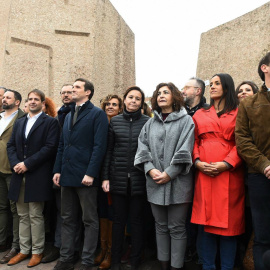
(218, 201)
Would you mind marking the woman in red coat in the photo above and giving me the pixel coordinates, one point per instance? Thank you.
(219, 184)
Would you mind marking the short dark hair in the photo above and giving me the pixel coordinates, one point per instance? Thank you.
(264, 61)
(2, 87)
(17, 95)
(105, 100)
(253, 85)
(228, 94)
(137, 89)
(178, 100)
(38, 93)
(201, 84)
(87, 86)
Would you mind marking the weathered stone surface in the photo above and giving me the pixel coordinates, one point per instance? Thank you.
(44, 44)
(236, 47)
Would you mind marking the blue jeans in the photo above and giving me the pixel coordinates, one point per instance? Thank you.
(209, 244)
(259, 195)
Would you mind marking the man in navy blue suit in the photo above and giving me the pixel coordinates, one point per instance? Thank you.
(80, 154)
(31, 152)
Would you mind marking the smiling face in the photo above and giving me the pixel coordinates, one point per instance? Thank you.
(165, 99)
(79, 95)
(245, 90)
(216, 90)
(35, 104)
(133, 101)
(112, 107)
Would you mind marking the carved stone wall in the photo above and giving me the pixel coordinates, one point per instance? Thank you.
(44, 44)
(236, 47)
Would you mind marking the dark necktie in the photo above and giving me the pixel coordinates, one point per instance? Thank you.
(76, 114)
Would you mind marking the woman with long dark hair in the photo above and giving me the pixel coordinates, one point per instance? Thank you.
(218, 204)
(125, 182)
(165, 155)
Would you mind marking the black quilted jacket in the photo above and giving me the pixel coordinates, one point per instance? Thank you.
(124, 131)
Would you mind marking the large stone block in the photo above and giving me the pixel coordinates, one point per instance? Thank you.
(236, 47)
(44, 44)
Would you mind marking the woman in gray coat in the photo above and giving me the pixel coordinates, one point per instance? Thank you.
(164, 153)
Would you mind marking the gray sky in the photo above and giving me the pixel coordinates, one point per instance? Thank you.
(167, 34)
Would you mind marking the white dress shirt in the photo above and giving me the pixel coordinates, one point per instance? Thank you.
(31, 121)
(4, 121)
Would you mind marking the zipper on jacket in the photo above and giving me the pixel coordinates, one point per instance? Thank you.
(130, 146)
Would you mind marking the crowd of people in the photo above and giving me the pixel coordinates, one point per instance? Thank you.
(86, 174)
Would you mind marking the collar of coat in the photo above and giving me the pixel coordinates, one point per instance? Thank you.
(172, 116)
(132, 115)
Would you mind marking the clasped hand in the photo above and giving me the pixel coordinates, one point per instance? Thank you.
(159, 177)
(20, 168)
(212, 169)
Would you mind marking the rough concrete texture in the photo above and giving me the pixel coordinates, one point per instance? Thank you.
(236, 47)
(44, 44)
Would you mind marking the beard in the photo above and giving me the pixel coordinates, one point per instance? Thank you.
(189, 100)
(8, 107)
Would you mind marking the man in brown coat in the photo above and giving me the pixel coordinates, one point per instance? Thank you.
(11, 102)
(253, 144)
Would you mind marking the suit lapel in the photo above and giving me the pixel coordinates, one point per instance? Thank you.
(38, 122)
(84, 112)
(11, 123)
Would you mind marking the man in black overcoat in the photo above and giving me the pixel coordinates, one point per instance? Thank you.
(31, 152)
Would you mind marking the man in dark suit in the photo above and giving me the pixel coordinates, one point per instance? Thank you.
(80, 154)
(31, 152)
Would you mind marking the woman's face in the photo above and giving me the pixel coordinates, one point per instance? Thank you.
(112, 107)
(133, 101)
(165, 98)
(216, 90)
(245, 90)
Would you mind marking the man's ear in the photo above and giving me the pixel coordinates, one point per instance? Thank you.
(198, 91)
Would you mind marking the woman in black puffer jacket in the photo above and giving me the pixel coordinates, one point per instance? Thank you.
(126, 183)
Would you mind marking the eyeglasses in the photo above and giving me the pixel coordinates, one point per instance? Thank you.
(113, 104)
(66, 93)
(188, 87)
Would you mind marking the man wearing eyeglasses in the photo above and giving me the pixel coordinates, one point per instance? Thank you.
(66, 96)
(193, 93)
(53, 253)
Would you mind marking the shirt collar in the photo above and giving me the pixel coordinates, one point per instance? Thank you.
(2, 114)
(35, 116)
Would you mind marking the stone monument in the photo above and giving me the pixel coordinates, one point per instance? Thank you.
(44, 44)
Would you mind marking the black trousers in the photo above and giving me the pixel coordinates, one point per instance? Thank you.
(122, 207)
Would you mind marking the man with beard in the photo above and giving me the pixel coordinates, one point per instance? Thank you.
(193, 93)
(31, 152)
(11, 102)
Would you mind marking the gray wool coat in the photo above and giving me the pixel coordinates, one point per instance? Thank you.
(167, 146)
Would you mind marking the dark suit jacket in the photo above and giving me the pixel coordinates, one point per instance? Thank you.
(82, 146)
(38, 153)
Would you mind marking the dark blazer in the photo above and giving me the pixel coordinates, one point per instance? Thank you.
(82, 146)
(38, 154)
